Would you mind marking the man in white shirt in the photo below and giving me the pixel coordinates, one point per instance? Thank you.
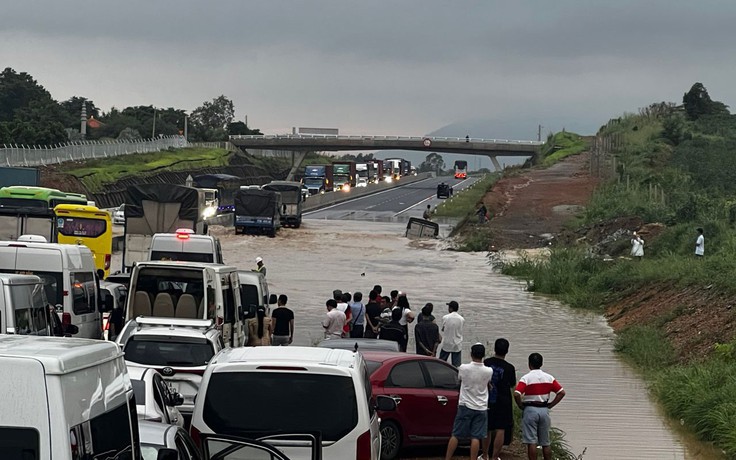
(334, 321)
(471, 420)
(700, 244)
(452, 335)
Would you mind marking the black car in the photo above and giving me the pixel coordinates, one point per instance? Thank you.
(444, 191)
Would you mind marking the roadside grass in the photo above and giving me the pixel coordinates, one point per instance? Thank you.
(646, 347)
(95, 173)
(561, 145)
(464, 203)
(700, 396)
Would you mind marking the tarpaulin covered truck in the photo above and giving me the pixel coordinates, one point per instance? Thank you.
(158, 208)
(257, 211)
(291, 201)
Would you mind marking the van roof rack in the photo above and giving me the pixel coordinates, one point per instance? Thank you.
(174, 322)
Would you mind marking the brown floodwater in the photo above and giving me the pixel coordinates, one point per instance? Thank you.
(607, 412)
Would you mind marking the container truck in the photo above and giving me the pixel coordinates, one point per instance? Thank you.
(377, 171)
(395, 167)
(318, 178)
(405, 167)
(344, 174)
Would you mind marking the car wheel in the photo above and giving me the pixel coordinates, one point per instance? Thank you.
(390, 440)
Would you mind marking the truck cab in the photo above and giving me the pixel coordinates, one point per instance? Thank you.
(189, 290)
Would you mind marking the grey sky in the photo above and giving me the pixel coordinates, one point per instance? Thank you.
(495, 68)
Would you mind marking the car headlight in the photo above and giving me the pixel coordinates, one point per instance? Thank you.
(346, 188)
(388, 179)
(209, 212)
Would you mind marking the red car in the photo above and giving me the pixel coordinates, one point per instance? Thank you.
(426, 392)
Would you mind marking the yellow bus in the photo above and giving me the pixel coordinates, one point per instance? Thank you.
(87, 225)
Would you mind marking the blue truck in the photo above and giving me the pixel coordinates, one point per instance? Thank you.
(257, 211)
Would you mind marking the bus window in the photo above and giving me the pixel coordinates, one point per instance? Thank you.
(81, 226)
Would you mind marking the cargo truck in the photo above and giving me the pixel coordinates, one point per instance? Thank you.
(405, 167)
(344, 175)
(318, 179)
(375, 174)
(257, 211)
(394, 166)
(158, 208)
(291, 201)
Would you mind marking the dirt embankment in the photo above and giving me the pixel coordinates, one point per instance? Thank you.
(530, 210)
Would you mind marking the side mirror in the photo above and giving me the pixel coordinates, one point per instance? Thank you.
(167, 454)
(251, 312)
(272, 299)
(175, 399)
(241, 313)
(385, 403)
(70, 330)
(108, 304)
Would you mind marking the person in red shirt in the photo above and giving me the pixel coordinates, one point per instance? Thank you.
(532, 396)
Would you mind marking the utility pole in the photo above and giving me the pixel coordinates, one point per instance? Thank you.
(539, 133)
(153, 131)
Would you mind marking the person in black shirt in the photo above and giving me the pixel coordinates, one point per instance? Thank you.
(427, 333)
(372, 316)
(393, 330)
(283, 328)
(500, 413)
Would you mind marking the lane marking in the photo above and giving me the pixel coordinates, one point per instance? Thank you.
(367, 196)
(426, 199)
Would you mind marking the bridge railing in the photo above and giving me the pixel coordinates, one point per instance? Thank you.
(380, 138)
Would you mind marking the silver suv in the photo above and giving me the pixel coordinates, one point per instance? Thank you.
(179, 349)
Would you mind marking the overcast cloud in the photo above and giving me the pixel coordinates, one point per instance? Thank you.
(496, 68)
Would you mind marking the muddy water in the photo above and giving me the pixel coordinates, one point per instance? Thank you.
(607, 412)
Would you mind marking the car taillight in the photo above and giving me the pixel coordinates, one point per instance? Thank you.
(194, 433)
(363, 448)
(108, 257)
(66, 318)
(106, 326)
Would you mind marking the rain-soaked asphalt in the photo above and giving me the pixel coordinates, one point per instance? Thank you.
(606, 412)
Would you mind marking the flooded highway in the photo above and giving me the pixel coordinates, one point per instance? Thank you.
(606, 413)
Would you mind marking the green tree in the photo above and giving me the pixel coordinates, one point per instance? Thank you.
(673, 128)
(433, 162)
(238, 128)
(697, 103)
(18, 90)
(209, 121)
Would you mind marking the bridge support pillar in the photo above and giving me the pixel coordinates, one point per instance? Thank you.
(494, 160)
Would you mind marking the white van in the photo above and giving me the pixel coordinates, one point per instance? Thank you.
(185, 245)
(254, 292)
(68, 274)
(65, 399)
(188, 290)
(259, 391)
(23, 305)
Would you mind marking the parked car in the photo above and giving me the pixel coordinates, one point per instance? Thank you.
(168, 442)
(426, 392)
(177, 348)
(323, 391)
(360, 344)
(155, 400)
(118, 215)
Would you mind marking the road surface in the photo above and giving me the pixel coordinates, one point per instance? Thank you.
(394, 205)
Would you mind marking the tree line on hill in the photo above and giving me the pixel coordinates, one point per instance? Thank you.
(29, 115)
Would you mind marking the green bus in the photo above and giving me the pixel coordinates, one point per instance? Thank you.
(37, 197)
(30, 211)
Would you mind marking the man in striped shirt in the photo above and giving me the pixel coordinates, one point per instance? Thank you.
(532, 396)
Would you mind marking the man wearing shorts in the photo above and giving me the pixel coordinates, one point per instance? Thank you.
(471, 420)
(532, 396)
(500, 407)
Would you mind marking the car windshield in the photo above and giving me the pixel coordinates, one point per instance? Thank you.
(154, 351)
(313, 402)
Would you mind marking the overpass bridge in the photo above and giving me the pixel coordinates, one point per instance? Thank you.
(320, 143)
